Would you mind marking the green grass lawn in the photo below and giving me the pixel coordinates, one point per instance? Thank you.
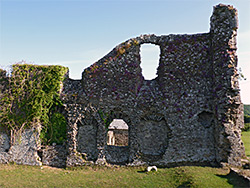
(246, 141)
(28, 176)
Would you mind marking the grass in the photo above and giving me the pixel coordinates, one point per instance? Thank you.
(246, 141)
(30, 176)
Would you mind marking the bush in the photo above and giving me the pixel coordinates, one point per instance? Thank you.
(246, 127)
(246, 118)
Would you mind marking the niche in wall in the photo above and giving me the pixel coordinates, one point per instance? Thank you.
(86, 138)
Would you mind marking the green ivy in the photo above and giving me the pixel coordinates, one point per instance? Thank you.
(106, 117)
(56, 131)
(30, 94)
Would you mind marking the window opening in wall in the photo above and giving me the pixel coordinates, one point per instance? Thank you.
(150, 55)
(117, 133)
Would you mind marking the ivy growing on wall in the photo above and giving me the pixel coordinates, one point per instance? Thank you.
(106, 118)
(56, 129)
(28, 99)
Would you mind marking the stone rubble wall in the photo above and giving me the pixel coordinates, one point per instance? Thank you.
(191, 113)
(54, 156)
(228, 107)
(24, 150)
(117, 155)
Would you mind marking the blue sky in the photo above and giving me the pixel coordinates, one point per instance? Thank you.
(76, 33)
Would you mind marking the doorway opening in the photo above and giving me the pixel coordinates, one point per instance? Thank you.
(117, 133)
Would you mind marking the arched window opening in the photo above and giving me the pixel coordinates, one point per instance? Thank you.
(150, 55)
(117, 133)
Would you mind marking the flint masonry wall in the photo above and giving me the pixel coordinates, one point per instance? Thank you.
(190, 113)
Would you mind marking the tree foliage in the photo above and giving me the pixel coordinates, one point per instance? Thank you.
(246, 127)
(246, 118)
(247, 109)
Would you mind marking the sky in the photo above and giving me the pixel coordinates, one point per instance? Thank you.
(77, 33)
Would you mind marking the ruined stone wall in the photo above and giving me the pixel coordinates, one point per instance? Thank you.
(190, 113)
(228, 108)
(173, 111)
(176, 117)
(24, 151)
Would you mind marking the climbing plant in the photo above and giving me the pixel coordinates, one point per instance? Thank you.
(56, 129)
(31, 92)
(106, 118)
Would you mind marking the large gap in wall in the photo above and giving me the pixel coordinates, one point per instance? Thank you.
(150, 55)
(117, 133)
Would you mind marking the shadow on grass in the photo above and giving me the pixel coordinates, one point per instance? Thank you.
(145, 171)
(235, 180)
(185, 184)
(142, 171)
